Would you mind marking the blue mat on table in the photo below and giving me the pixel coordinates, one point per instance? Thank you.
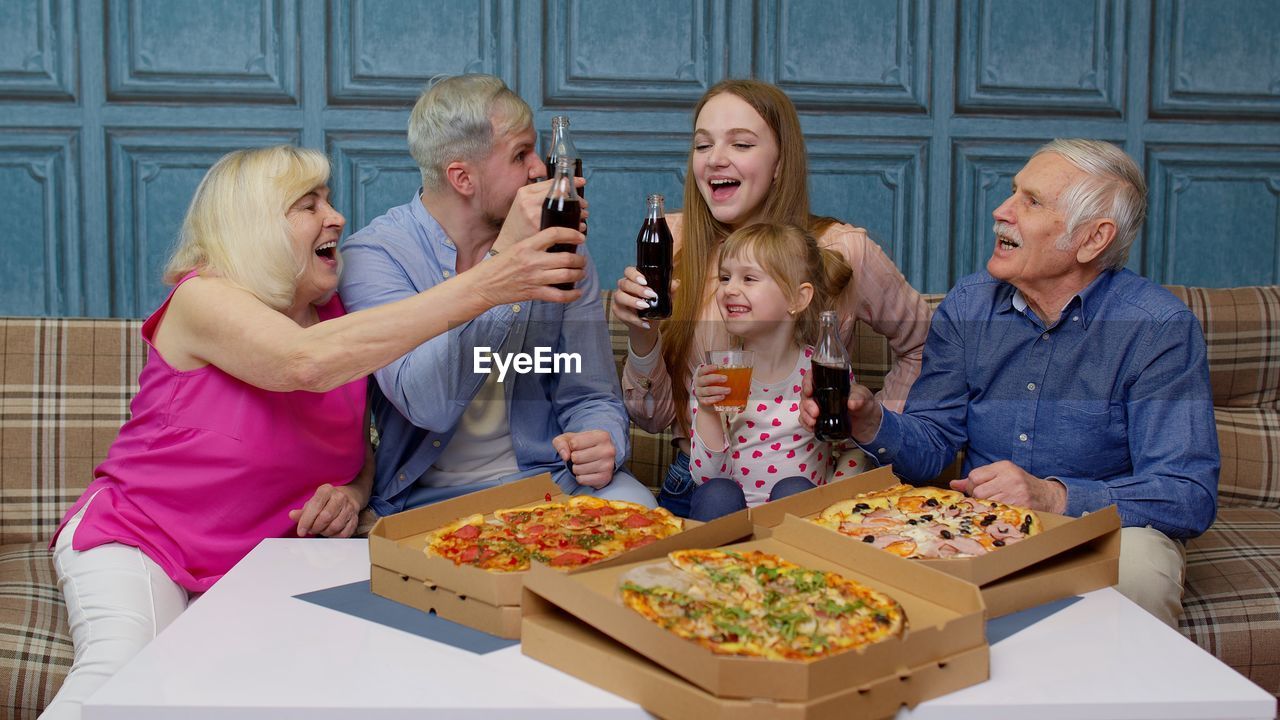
(358, 600)
(1006, 625)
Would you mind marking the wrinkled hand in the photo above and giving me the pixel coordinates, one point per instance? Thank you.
(525, 216)
(526, 271)
(331, 512)
(1005, 482)
(865, 412)
(592, 454)
(709, 387)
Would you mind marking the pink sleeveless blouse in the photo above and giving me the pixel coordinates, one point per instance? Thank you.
(208, 465)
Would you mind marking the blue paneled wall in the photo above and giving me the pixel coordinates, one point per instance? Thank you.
(917, 114)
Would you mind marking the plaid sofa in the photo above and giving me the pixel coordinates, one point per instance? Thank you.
(65, 385)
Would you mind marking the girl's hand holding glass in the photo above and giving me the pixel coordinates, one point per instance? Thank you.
(710, 387)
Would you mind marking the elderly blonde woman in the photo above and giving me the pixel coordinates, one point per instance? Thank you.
(250, 418)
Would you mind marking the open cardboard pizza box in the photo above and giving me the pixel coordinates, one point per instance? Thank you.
(1072, 555)
(944, 616)
(561, 641)
(490, 601)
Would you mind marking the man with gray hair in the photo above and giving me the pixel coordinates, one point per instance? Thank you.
(1070, 382)
(464, 411)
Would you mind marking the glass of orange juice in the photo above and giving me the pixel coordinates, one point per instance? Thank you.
(736, 366)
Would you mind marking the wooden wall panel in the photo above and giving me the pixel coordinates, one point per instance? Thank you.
(917, 115)
(38, 58)
(383, 52)
(207, 51)
(1214, 214)
(1042, 57)
(1216, 59)
(40, 225)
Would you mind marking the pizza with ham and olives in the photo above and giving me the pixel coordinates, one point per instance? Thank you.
(929, 522)
(756, 604)
(580, 531)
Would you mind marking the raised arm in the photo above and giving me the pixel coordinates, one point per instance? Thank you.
(886, 302)
(212, 321)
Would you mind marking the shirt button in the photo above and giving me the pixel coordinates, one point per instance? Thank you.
(1031, 387)
(402, 477)
(1044, 336)
(880, 451)
(1023, 437)
(446, 273)
(515, 308)
(436, 443)
(1075, 318)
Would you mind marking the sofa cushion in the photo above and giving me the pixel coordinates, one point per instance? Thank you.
(1249, 441)
(1231, 603)
(1242, 331)
(65, 387)
(33, 630)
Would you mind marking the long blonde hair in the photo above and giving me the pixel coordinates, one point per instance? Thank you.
(792, 257)
(787, 202)
(236, 227)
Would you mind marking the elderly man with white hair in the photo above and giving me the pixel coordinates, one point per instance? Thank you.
(1070, 382)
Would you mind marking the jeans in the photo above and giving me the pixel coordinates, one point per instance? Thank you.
(718, 497)
(677, 488)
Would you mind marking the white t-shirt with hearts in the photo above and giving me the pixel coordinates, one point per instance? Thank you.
(766, 442)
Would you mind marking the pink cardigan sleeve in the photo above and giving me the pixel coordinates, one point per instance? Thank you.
(647, 393)
(881, 297)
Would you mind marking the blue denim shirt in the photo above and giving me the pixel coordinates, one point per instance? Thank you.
(420, 398)
(1113, 399)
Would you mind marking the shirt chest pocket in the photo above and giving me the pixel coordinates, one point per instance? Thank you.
(1091, 439)
(201, 405)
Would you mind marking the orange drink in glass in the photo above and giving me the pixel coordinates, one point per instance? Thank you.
(736, 366)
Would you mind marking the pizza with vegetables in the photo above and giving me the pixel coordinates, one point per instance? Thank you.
(929, 522)
(757, 604)
(569, 534)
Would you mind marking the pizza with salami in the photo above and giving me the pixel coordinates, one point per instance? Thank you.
(929, 522)
(580, 531)
(757, 604)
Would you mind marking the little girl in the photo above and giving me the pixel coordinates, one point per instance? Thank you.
(774, 282)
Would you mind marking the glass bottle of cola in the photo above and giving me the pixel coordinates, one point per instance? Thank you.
(562, 209)
(653, 258)
(830, 373)
(562, 146)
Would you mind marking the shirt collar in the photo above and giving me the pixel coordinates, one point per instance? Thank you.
(1093, 296)
(435, 233)
(1090, 298)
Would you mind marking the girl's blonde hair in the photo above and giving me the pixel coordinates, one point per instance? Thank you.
(236, 227)
(786, 202)
(792, 257)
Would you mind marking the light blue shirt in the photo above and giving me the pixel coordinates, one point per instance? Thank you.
(1113, 399)
(419, 399)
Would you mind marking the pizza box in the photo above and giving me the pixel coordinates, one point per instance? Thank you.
(478, 598)
(1098, 533)
(556, 638)
(944, 616)
(500, 620)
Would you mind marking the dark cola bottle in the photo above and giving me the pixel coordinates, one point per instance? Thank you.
(562, 146)
(653, 258)
(830, 372)
(562, 209)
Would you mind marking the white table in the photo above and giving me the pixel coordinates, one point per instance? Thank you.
(248, 649)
